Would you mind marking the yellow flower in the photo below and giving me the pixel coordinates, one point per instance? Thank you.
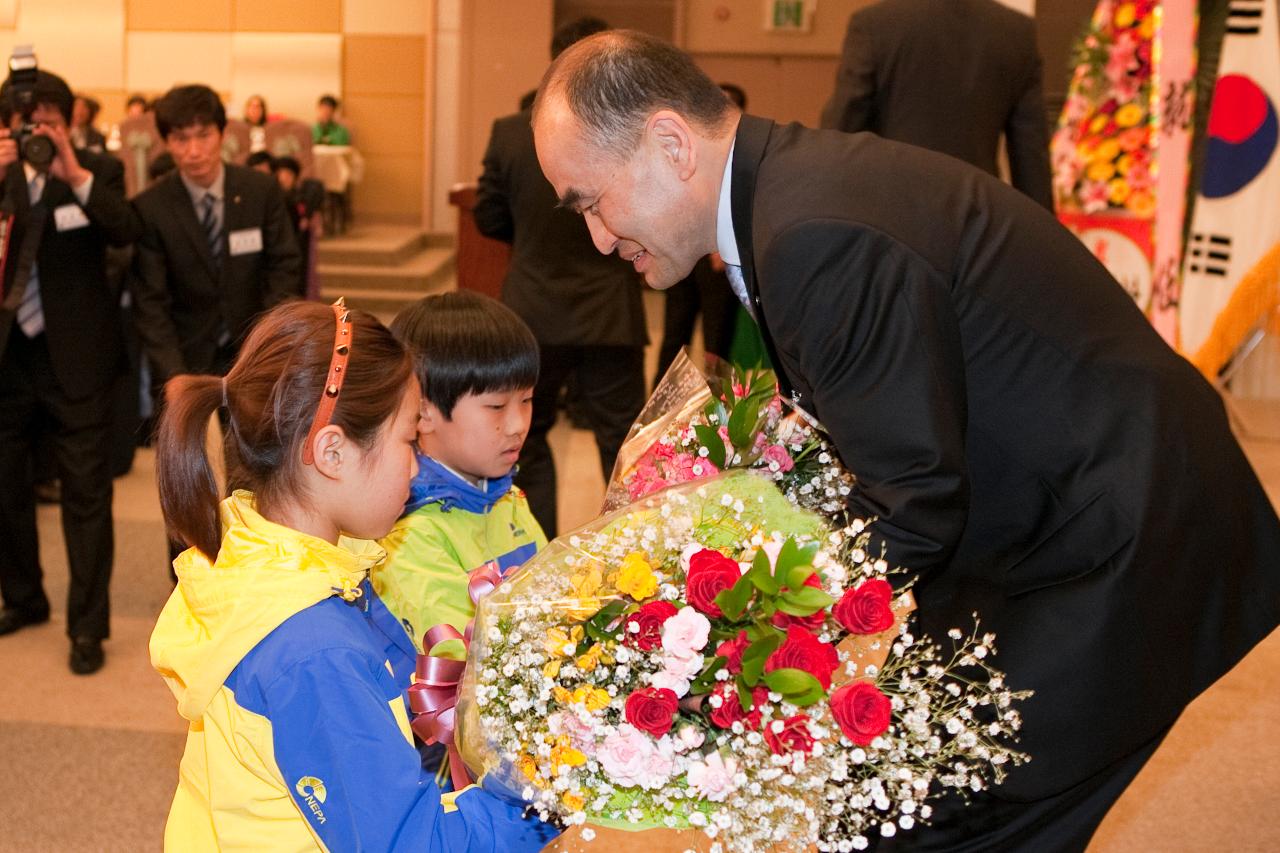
(564, 755)
(573, 802)
(561, 643)
(1123, 164)
(552, 669)
(529, 767)
(636, 578)
(1125, 15)
(1118, 191)
(589, 661)
(1102, 170)
(587, 583)
(1128, 115)
(562, 696)
(593, 698)
(1106, 151)
(1143, 204)
(1148, 27)
(1098, 123)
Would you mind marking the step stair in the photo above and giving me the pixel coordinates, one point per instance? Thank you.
(384, 268)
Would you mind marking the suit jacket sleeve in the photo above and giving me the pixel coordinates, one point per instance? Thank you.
(283, 260)
(107, 207)
(1027, 140)
(850, 106)
(152, 301)
(868, 324)
(493, 201)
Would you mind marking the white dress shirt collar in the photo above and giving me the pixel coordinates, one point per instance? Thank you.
(198, 192)
(726, 240)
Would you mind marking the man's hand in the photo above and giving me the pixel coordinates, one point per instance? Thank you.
(8, 149)
(65, 167)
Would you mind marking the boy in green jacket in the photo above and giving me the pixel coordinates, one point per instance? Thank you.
(477, 363)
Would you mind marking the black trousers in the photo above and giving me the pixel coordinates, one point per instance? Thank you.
(1063, 823)
(32, 403)
(610, 383)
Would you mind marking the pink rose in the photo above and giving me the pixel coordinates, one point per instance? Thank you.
(690, 467)
(686, 633)
(776, 454)
(625, 755)
(567, 723)
(713, 778)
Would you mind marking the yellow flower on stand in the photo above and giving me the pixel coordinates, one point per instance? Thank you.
(564, 755)
(1107, 151)
(635, 577)
(1148, 27)
(1143, 204)
(1118, 191)
(1100, 171)
(1129, 115)
(1098, 123)
(1125, 15)
(1123, 164)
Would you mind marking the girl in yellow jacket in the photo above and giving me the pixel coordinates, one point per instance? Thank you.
(279, 652)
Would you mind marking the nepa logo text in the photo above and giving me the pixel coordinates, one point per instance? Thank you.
(312, 792)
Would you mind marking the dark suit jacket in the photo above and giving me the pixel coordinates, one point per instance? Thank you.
(180, 306)
(558, 283)
(1029, 444)
(949, 76)
(81, 308)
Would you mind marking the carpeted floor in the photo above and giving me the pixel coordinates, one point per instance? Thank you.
(90, 763)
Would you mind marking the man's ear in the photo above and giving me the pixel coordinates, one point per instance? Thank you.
(675, 139)
(329, 451)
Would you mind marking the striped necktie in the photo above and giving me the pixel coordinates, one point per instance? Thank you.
(212, 228)
(30, 314)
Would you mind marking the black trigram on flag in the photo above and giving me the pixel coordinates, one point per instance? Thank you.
(1244, 17)
(1209, 254)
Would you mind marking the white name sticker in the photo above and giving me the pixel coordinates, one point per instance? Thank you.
(69, 217)
(246, 241)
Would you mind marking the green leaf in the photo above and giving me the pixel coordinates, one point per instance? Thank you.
(734, 600)
(793, 555)
(796, 577)
(597, 627)
(744, 695)
(763, 383)
(790, 682)
(742, 423)
(804, 602)
(760, 577)
(757, 653)
(707, 677)
(709, 438)
(453, 649)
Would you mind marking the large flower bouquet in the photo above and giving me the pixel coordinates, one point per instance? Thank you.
(722, 655)
(1102, 148)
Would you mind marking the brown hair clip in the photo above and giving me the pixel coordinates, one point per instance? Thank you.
(342, 338)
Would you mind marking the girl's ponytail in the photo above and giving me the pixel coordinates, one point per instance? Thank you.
(188, 491)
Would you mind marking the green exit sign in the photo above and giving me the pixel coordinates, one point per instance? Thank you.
(789, 16)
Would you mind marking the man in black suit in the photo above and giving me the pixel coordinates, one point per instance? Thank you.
(62, 349)
(217, 247)
(584, 309)
(951, 77)
(1025, 440)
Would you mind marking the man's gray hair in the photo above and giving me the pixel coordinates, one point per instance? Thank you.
(613, 81)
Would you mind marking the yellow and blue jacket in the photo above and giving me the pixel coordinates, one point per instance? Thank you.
(291, 673)
(449, 529)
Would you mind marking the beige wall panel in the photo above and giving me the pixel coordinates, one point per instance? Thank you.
(708, 29)
(177, 14)
(383, 65)
(290, 16)
(159, 60)
(80, 42)
(385, 124)
(390, 190)
(385, 17)
(112, 101)
(289, 70)
(445, 121)
(8, 14)
(781, 88)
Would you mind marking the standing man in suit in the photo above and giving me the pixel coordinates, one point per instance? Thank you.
(217, 248)
(61, 346)
(950, 77)
(585, 309)
(1025, 441)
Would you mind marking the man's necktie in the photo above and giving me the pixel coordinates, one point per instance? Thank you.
(739, 287)
(30, 314)
(212, 230)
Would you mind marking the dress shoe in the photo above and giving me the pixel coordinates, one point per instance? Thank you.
(12, 619)
(86, 655)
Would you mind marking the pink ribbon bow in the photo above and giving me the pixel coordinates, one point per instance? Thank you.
(433, 698)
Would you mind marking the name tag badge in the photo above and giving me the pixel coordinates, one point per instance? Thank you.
(246, 241)
(69, 217)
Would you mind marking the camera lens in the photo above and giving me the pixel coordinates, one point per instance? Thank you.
(38, 151)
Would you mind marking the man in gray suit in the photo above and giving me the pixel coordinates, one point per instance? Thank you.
(950, 77)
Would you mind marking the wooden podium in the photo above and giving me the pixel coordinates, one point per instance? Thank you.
(482, 261)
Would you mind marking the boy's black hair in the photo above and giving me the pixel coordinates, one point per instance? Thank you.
(287, 163)
(329, 101)
(260, 157)
(184, 106)
(466, 343)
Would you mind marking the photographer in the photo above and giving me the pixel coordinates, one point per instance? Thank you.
(60, 351)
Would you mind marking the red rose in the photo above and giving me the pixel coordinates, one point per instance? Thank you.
(813, 622)
(866, 608)
(730, 710)
(652, 710)
(804, 651)
(732, 650)
(861, 710)
(649, 618)
(794, 735)
(710, 573)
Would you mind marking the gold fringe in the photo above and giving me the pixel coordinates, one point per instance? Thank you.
(1256, 297)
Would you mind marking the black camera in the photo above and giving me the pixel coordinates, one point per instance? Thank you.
(36, 149)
